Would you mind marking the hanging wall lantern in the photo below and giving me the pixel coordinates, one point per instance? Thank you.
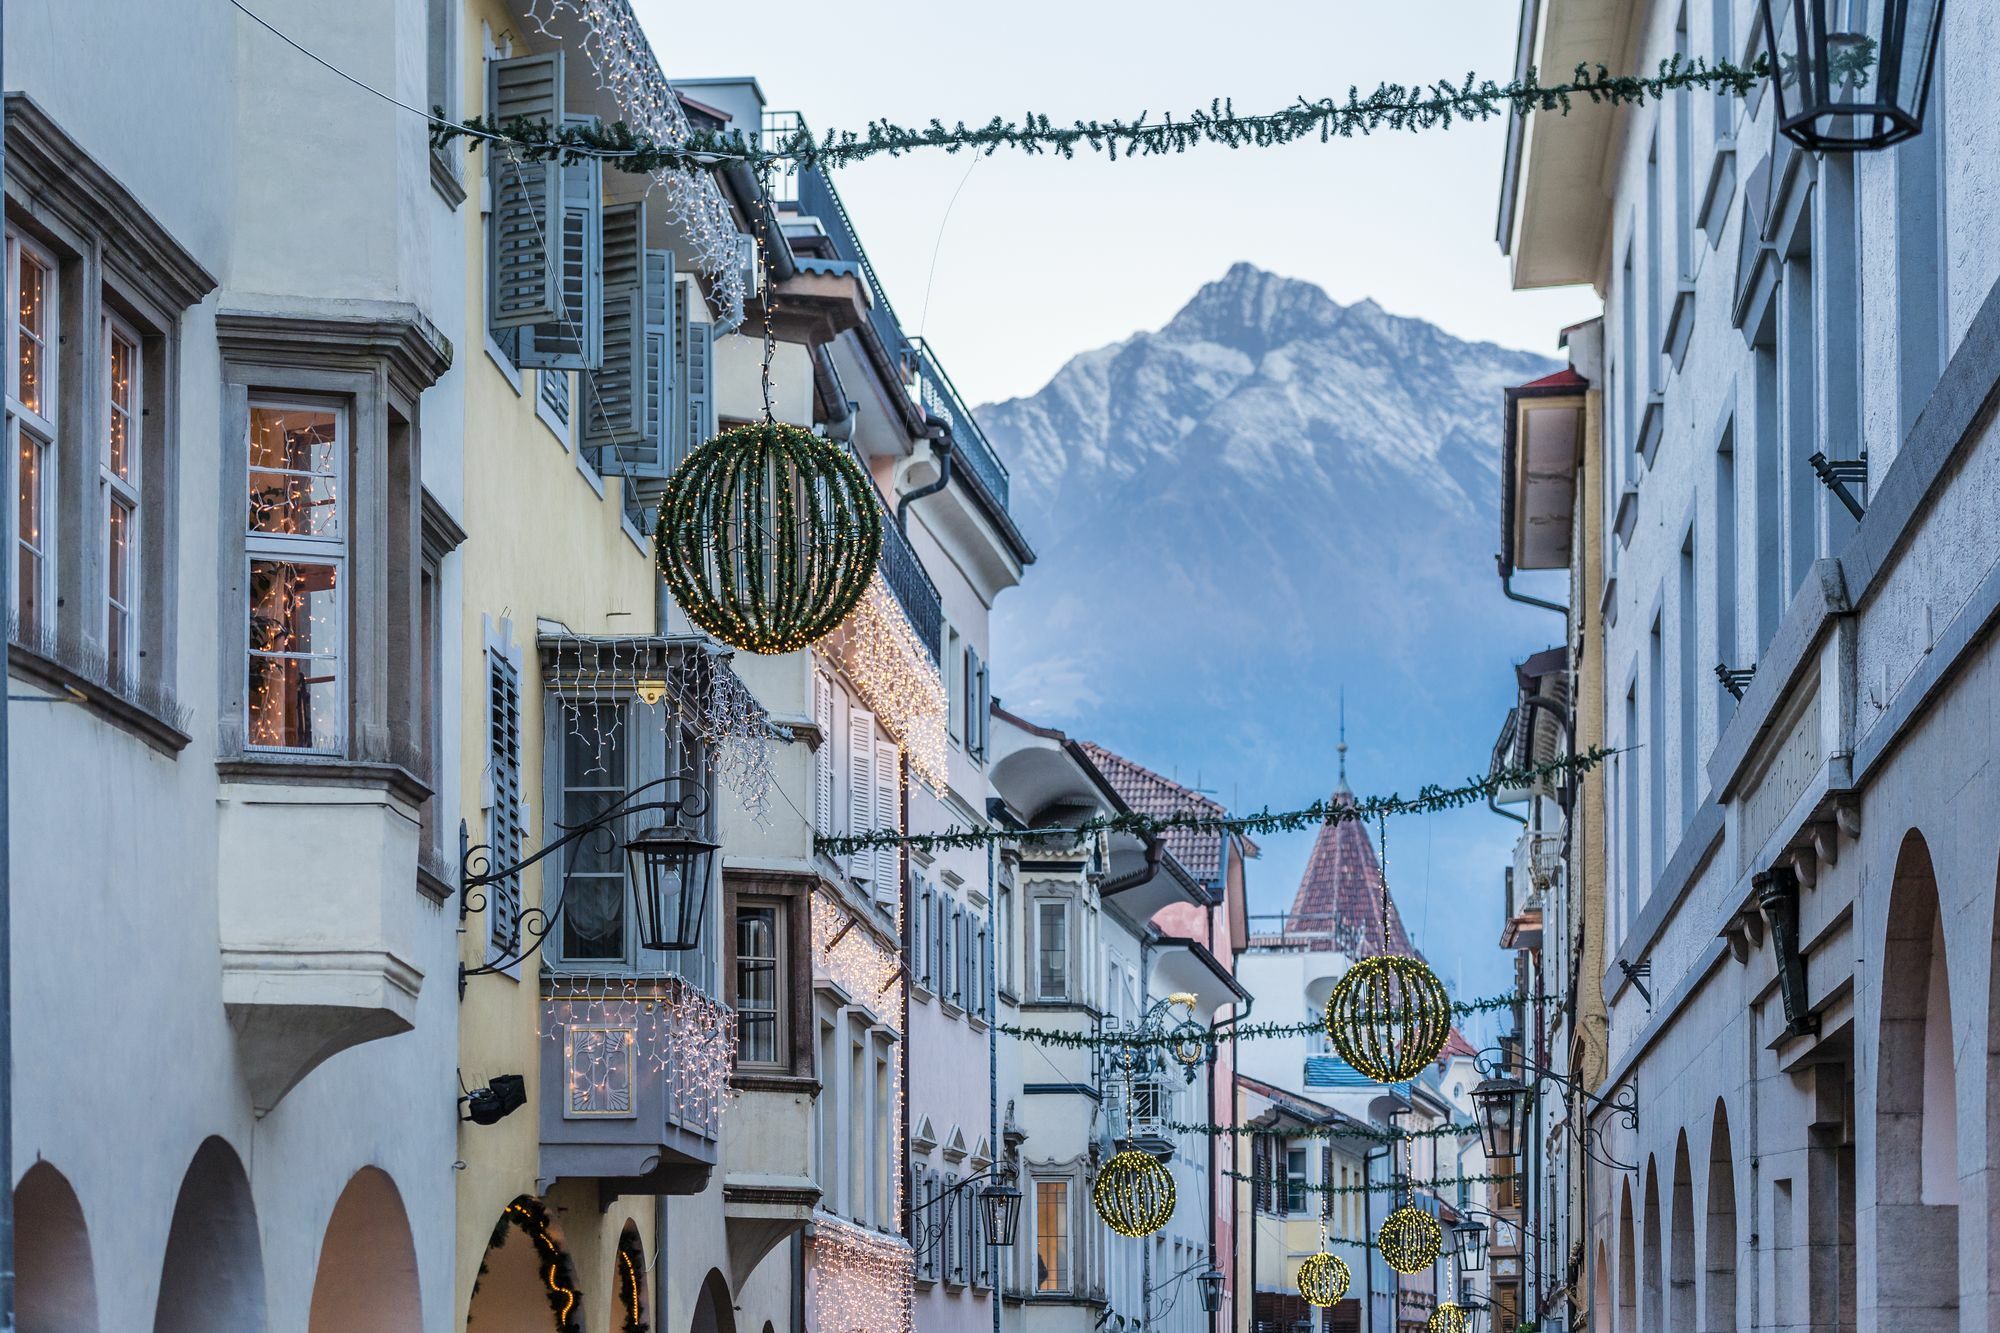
(1852, 74)
(1209, 1284)
(1498, 1102)
(1470, 1239)
(1001, 1204)
(1778, 899)
(670, 886)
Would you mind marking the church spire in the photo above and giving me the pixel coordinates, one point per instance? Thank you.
(1341, 788)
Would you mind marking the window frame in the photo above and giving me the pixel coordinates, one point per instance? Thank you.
(780, 980)
(1063, 905)
(313, 550)
(40, 424)
(126, 493)
(1059, 1281)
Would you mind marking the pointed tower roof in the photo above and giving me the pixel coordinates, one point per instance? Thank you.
(1341, 892)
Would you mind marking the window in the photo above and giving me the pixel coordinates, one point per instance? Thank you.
(1051, 950)
(1003, 973)
(31, 425)
(948, 978)
(823, 758)
(1295, 1181)
(759, 984)
(594, 776)
(973, 702)
(504, 815)
(982, 966)
(296, 545)
(920, 934)
(953, 670)
(874, 801)
(1656, 751)
(1685, 703)
(1052, 1235)
(121, 480)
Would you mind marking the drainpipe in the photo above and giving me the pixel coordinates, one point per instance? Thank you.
(1507, 587)
(6, 978)
(992, 983)
(940, 437)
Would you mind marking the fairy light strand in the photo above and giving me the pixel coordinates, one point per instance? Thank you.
(883, 658)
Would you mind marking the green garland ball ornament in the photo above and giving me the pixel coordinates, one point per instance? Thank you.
(1389, 1016)
(1134, 1193)
(1324, 1279)
(1449, 1317)
(768, 535)
(1410, 1239)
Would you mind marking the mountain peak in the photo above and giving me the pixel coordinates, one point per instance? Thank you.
(1251, 309)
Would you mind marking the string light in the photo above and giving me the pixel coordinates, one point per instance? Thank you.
(1324, 1278)
(1134, 1194)
(664, 1027)
(886, 662)
(685, 194)
(850, 955)
(1183, 1034)
(631, 1294)
(1449, 1317)
(1389, 1017)
(861, 1281)
(768, 536)
(1410, 1239)
(558, 1273)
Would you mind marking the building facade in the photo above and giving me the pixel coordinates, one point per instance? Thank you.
(1799, 907)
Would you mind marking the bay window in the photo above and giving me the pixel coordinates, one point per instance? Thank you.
(32, 395)
(1051, 949)
(760, 975)
(297, 545)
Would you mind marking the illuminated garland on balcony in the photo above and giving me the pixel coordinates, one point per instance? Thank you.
(850, 955)
(885, 660)
(860, 1280)
(1430, 799)
(690, 1039)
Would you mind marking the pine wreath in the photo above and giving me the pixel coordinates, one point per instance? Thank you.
(1449, 1317)
(1134, 1193)
(1410, 1239)
(768, 535)
(1389, 1016)
(1323, 1279)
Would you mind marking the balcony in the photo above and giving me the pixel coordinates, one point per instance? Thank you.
(634, 1076)
(910, 584)
(940, 397)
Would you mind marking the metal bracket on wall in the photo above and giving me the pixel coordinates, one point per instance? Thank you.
(1735, 679)
(70, 695)
(1836, 473)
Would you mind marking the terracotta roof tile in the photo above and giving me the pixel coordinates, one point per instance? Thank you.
(1340, 893)
(1150, 794)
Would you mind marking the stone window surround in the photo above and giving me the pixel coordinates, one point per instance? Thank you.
(793, 892)
(114, 257)
(376, 363)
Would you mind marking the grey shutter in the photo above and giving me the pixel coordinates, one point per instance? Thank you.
(573, 339)
(504, 832)
(613, 406)
(697, 407)
(527, 196)
(654, 456)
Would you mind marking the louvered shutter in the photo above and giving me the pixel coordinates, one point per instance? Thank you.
(823, 757)
(504, 817)
(614, 409)
(985, 722)
(574, 338)
(653, 455)
(861, 787)
(888, 815)
(527, 196)
(697, 406)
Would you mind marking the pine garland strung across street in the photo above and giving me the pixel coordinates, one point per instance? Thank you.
(1392, 106)
(1134, 1194)
(1410, 1239)
(1324, 1278)
(768, 535)
(1429, 799)
(1251, 1031)
(1396, 1185)
(1326, 1131)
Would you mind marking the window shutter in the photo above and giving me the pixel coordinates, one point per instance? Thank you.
(888, 815)
(823, 757)
(527, 196)
(653, 455)
(697, 406)
(979, 979)
(613, 417)
(574, 338)
(938, 922)
(861, 787)
(503, 713)
(553, 386)
(985, 707)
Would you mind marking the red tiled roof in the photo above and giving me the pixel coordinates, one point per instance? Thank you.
(1150, 794)
(1456, 1044)
(1341, 892)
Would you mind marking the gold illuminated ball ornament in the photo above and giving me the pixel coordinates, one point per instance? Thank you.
(1134, 1193)
(1323, 1279)
(768, 535)
(1410, 1239)
(1389, 1016)
(1449, 1317)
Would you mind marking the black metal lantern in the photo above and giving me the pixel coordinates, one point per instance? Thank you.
(670, 886)
(1852, 74)
(1000, 1203)
(1209, 1284)
(1469, 1238)
(1498, 1100)
(1778, 899)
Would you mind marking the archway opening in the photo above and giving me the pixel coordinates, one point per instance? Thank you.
(526, 1283)
(213, 1273)
(628, 1281)
(55, 1287)
(1916, 1110)
(1719, 1306)
(1680, 1243)
(1628, 1264)
(1651, 1304)
(715, 1312)
(1600, 1290)
(367, 1278)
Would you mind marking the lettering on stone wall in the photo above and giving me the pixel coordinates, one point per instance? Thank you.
(1795, 762)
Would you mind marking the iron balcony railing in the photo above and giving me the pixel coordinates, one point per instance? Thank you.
(937, 394)
(909, 582)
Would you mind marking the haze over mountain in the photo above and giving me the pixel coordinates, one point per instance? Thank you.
(1273, 497)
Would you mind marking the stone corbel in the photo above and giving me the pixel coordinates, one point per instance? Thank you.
(1826, 843)
(1847, 816)
(1804, 864)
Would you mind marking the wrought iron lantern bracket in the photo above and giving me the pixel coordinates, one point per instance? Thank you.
(1622, 1102)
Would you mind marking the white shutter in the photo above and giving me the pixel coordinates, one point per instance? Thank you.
(861, 787)
(527, 196)
(888, 815)
(823, 758)
(573, 338)
(613, 416)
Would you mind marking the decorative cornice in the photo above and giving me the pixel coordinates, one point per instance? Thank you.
(50, 170)
(442, 533)
(325, 771)
(394, 333)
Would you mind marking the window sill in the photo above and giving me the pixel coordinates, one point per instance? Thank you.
(324, 770)
(161, 726)
(950, 1010)
(445, 179)
(503, 363)
(774, 1080)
